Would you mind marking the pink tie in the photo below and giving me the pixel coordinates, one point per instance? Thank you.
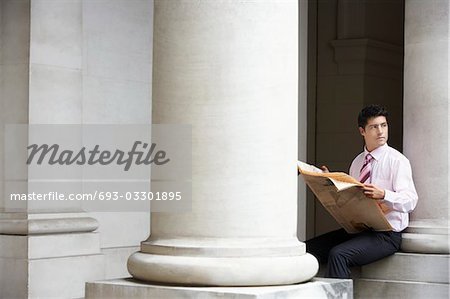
(364, 176)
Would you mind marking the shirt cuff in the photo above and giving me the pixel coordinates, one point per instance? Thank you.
(388, 195)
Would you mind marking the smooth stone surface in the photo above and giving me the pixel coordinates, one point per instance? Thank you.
(426, 236)
(405, 275)
(132, 228)
(428, 226)
(108, 101)
(14, 73)
(14, 93)
(15, 33)
(425, 243)
(116, 261)
(14, 277)
(49, 266)
(223, 271)
(59, 90)
(129, 288)
(402, 266)
(62, 277)
(117, 63)
(426, 21)
(426, 105)
(49, 246)
(56, 33)
(119, 50)
(370, 288)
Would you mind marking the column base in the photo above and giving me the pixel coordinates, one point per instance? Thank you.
(49, 266)
(222, 271)
(130, 288)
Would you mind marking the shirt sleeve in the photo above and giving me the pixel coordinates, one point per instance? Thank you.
(354, 171)
(403, 198)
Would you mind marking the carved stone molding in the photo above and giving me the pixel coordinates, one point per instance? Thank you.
(368, 56)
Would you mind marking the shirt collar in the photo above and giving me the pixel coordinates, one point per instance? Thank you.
(376, 153)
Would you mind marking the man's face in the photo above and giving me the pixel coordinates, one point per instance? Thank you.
(375, 133)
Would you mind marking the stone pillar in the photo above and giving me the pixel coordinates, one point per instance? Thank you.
(231, 70)
(43, 253)
(426, 122)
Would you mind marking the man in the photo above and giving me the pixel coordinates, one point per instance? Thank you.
(387, 178)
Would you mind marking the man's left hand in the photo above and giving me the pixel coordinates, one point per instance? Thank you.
(373, 191)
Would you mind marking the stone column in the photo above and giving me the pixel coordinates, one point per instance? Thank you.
(45, 253)
(426, 122)
(230, 69)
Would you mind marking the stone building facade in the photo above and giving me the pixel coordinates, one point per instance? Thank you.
(271, 81)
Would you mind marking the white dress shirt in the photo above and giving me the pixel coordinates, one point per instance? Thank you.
(391, 171)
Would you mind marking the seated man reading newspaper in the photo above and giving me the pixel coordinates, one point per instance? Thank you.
(385, 176)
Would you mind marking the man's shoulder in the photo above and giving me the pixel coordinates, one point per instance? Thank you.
(395, 155)
(356, 163)
(359, 157)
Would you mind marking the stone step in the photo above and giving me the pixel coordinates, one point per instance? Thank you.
(433, 268)
(377, 288)
(130, 288)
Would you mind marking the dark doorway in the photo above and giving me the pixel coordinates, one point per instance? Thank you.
(355, 58)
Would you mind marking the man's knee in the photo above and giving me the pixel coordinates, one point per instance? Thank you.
(336, 254)
(338, 264)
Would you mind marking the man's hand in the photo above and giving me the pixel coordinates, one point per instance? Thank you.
(373, 191)
(324, 168)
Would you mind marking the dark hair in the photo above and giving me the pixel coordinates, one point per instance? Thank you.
(369, 112)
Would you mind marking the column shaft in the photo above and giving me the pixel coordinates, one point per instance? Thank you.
(426, 122)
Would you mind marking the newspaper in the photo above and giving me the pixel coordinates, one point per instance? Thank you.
(343, 197)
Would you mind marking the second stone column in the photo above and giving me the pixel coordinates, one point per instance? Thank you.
(426, 123)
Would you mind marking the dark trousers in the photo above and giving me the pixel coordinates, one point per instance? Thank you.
(342, 250)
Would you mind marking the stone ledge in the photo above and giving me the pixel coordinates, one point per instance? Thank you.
(130, 288)
(433, 268)
(403, 266)
(377, 288)
(47, 226)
